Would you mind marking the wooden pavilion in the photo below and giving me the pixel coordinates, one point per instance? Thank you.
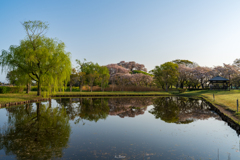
(219, 83)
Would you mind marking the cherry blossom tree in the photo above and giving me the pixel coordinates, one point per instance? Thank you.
(132, 66)
(114, 69)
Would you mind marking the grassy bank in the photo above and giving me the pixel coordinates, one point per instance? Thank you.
(18, 97)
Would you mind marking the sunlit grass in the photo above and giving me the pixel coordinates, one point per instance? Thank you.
(227, 99)
(17, 97)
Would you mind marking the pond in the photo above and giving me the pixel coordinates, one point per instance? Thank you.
(116, 128)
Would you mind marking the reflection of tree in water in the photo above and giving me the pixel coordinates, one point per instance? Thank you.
(91, 109)
(129, 107)
(166, 109)
(181, 110)
(194, 109)
(35, 132)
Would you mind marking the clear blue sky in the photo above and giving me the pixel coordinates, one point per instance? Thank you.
(150, 32)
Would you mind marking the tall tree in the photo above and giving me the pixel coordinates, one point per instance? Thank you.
(91, 71)
(187, 63)
(165, 74)
(43, 59)
(73, 78)
(104, 76)
(15, 77)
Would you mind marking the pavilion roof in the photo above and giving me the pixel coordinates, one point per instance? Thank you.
(218, 78)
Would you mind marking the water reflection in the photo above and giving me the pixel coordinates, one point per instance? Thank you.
(169, 109)
(129, 107)
(91, 109)
(39, 132)
(181, 110)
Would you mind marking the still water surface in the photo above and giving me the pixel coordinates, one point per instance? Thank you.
(116, 128)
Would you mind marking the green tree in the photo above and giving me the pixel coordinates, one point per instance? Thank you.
(181, 61)
(81, 73)
(90, 72)
(43, 59)
(104, 76)
(187, 63)
(73, 78)
(15, 77)
(165, 74)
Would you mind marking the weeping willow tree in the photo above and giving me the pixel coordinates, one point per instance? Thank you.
(42, 59)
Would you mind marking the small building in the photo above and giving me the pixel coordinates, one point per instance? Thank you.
(219, 83)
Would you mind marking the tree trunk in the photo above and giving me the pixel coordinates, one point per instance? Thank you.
(27, 91)
(70, 87)
(50, 103)
(102, 86)
(39, 88)
(80, 86)
(112, 85)
(181, 85)
(202, 86)
(166, 87)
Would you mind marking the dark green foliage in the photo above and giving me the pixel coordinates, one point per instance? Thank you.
(181, 90)
(137, 71)
(5, 89)
(206, 88)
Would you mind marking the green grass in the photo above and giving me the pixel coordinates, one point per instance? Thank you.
(17, 97)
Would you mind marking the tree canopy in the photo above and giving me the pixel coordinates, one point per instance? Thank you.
(42, 59)
(165, 74)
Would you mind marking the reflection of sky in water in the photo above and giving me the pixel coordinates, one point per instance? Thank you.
(145, 136)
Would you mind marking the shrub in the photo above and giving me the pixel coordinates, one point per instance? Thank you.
(34, 88)
(16, 89)
(181, 90)
(5, 89)
(194, 89)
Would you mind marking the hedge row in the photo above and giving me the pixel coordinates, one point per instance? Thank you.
(5, 89)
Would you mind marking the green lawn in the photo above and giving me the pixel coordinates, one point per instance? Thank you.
(17, 97)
